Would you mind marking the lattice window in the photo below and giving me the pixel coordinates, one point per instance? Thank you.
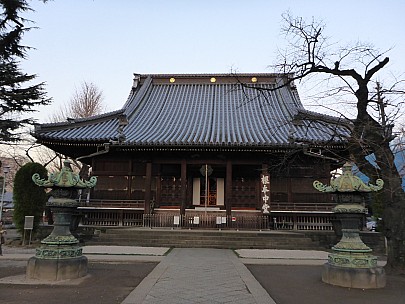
(244, 193)
(112, 166)
(170, 191)
(111, 187)
(111, 183)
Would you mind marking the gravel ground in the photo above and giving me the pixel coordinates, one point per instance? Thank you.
(303, 284)
(111, 283)
(107, 283)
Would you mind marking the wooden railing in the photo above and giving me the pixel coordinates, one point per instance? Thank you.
(277, 221)
(302, 221)
(207, 221)
(283, 206)
(100, 203)
(275, 206)
(108, 218)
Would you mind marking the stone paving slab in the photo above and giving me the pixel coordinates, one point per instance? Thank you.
(23, 280)
(199, 275)
(131, 250)
(7, 250)
(97, 253)
(288, 257)
(283, 254)
(282, 257)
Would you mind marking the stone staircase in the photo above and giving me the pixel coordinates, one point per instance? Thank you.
(204, 238)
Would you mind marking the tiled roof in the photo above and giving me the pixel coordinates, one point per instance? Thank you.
(195, 110)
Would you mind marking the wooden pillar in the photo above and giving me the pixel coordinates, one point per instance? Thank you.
(148, 183)
(289, 190)
(129, 191)
(159, 187)
(91, 190)
(183, 186)
(228, 188)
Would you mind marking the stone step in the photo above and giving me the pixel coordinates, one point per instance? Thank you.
(239, 246)
(164, 234)
(175, 233)
(152, 242)
(304, 240)
(213, 239)
(227, 242)
(173, 236)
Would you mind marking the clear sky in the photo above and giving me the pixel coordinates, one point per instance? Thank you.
(105, 42)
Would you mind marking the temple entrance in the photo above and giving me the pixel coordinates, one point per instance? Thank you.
(208, 192)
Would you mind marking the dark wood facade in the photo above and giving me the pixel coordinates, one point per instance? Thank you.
(152, 182)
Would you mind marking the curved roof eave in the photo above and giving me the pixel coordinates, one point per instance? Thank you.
(72, 122)
(198, 113)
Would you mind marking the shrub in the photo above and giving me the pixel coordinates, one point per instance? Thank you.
(29, 199)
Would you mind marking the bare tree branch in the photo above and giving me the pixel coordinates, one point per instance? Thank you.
(309, 53)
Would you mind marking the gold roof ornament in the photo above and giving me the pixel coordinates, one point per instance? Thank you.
(347, 182)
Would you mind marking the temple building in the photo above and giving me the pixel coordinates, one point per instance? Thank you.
(187, 146)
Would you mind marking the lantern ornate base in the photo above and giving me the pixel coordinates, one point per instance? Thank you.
(352, 259)
(56, 269)
(364, 278)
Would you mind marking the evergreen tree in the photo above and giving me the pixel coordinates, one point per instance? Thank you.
(29, 199)
(17, 94)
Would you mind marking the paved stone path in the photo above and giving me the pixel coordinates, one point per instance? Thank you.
(195, 275)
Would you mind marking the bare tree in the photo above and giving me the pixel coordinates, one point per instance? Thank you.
(349, 74)
(85, 102)
(88, 101)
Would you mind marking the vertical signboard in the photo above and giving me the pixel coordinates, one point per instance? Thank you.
(28, 225)
(265, 192)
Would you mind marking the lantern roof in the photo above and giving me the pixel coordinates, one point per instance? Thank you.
(347, 182)
(66, 178)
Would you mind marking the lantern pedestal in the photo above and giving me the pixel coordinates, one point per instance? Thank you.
(56, 269)
(364, 278)
(351, 263)
(60, 257)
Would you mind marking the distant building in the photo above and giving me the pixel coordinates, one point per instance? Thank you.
(184, 146)
(8, 208)
(13, 166)
(398, 149)
(399, 153)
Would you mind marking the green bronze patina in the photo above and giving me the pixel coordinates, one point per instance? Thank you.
(66, 178)
(353, 260)
(58, 252)
(347, 182)
(60, 257)
(350, 251)
(61, 244)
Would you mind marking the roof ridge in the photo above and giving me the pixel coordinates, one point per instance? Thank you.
(212, 74)
(135, 100)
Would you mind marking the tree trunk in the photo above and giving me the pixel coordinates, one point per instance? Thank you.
(394, 230)
(369, 137)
